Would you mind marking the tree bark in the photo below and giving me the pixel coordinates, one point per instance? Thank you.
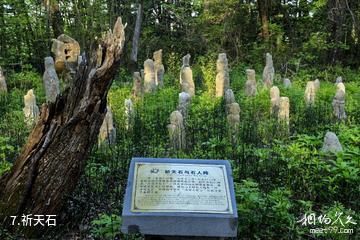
(54, 156)
(264, 18)
(136, 37)
(56, 21)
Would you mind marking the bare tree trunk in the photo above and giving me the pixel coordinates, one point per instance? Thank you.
(264, 18)
(136, 37)
(56, 21)
(51, 162)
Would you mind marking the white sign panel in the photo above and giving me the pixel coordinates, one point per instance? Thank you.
(178, 187)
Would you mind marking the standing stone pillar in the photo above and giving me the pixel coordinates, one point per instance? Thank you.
(137, 90)
(233, 121)
(176, 130)
(310, 93)
(229, 99)
(250, 85)
(31, 110)
(339, 102)
(186, 77)
(159, 68)
(222, 76)
(275, 100)
(269, 71)
(317, 84)
(284, 110)
(338, 80)
(107, 133)
(51, 80)
(149, 76)
(3, 85)
(184, 104)
(129, 114)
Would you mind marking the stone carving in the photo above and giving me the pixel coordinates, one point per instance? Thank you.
(107, 132)
(331, 143)
(184, 104)
(159, 68)
(137, 90)
(250, 85)
(66, 50)
(339, 80)
(317, 84)
(287, 83)
(233, 120)
(3, 86)
(310, 93)
(339, 102)
(222, 76)
(51, 80)
(186, 60)
(129, 114)
(284, 110)
(269, 71)
(31, 110)
(149, 76)
(275, 100)
(186, 77)
(177, 131)
(229, 99)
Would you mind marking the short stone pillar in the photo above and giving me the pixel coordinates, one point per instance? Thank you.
(176, 130)
(184, 104)
(137, 89)
(275, 101)
(250, 85)
(31, 110)
(339, 102)
(310, 93)
(149, 76)
(331, 143)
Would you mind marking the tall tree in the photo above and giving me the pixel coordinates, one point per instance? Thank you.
(263, 6)
(136, 36)
(55, 154)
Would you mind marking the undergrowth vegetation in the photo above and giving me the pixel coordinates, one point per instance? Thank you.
(280, 174)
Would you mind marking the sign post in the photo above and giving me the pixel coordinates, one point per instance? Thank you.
(180, 197)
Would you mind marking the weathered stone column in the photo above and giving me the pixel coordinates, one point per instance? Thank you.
(310, 93)
(107, 133)
(222, 76)
(184, 104)
(177, 131)
(275, 100)
(269, 71)
(3, 85)
(250, 85)
(186, 77)
(137, 89)
(159, 68)
(31, 110)
(51, 80)
(129, 114)
(339, 102)
(149, 76)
